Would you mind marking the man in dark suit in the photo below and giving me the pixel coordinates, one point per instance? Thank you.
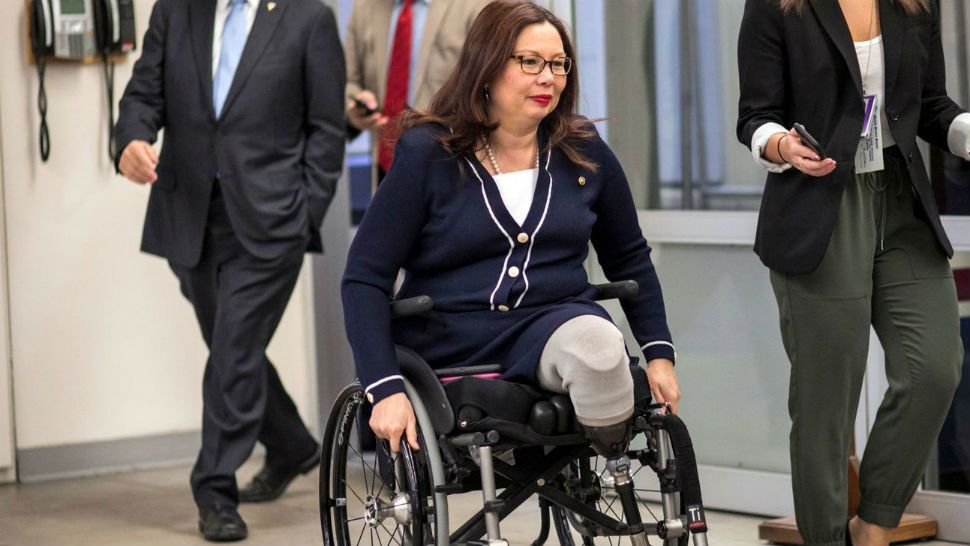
(250, 94)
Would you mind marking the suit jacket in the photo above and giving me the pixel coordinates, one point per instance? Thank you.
(366, 47)
(277, 147)
(803, 68)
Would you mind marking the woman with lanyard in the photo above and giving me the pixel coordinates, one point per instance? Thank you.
(852, 235)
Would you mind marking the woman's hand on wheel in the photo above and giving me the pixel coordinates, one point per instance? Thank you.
(663, 382)
(804, 158)
(392, 417)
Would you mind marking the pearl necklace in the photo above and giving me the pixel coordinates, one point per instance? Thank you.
(491, 157)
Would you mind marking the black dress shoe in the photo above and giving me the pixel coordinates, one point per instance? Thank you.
(221, 523)
(270, 482)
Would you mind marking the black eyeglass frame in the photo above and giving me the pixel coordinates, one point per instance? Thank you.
(568, 64)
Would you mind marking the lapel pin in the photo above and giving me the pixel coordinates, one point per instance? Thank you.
(270, 6)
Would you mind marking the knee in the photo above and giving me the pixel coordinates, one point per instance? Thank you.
(600, 347)
(941, 376)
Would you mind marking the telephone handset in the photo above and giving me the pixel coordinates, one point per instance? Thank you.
(114, 23)
(77, 30)
(41, 29)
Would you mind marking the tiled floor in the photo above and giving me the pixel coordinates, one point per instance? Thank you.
(154, 508)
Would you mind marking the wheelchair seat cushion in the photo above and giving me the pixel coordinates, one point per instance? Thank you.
(524, 413)
(518, 412)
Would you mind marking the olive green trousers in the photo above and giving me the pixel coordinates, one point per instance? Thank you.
(884, 267)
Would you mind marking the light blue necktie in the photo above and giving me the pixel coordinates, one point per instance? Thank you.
(233, 41)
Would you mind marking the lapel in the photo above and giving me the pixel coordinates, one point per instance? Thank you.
(436, 14)
(830, 15)
(259, 37)
(202, 15)
(892, 23)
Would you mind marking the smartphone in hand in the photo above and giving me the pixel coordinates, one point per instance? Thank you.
(809, 140)
(362, 106)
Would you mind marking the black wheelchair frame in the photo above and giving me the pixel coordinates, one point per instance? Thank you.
(410, 491)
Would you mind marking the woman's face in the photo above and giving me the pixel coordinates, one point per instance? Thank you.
(517, 97)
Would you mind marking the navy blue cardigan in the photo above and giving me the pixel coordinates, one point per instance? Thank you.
(500, 289)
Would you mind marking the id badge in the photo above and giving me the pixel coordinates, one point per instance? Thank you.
(868, 156)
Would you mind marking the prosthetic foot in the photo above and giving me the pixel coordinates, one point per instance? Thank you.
(610, 441)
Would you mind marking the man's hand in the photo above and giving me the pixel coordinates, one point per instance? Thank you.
(392, 417)
(359, 119)
(663, 382)
(138, 162)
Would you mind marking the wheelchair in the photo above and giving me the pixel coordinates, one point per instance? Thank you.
(480, 433)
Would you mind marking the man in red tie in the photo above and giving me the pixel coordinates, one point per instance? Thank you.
(399, 52)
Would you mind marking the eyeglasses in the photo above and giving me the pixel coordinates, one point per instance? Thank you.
(534, 64)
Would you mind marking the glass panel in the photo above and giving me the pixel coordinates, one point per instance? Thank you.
(672, 88)
(950, 469)
(731, 363)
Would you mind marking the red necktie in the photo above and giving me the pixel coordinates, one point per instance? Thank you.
(398, 73)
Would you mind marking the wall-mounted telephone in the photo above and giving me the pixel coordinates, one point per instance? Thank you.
(63, 29)
(78, 30)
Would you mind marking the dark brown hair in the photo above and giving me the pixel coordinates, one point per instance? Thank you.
(461, 103)
(912, 7)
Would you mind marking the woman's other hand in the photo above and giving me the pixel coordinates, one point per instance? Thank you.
(663, 382)
(392, 417)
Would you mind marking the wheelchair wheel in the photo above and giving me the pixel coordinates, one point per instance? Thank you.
(590, 480)
(370, 498)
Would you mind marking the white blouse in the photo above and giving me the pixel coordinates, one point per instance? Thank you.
(517, 189)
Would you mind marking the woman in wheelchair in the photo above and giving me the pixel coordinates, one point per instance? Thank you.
(489, 206)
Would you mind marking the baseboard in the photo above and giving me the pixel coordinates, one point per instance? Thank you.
(950, 511)
(94, 458)
(737, 490)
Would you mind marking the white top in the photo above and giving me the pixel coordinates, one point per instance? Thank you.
(222, 12)
(872, 66)
(517, 189)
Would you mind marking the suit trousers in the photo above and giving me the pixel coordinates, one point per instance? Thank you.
(239, 301)
(883, 266)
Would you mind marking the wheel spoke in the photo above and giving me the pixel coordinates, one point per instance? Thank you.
(381, 523)
(366, 467)
(360, 442)
(361, 535)
(351, 489)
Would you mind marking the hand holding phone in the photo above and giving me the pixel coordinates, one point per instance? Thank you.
(362, 106)
(809, 140)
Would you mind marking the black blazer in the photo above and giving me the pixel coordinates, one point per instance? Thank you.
(277, 149)
(803, 68)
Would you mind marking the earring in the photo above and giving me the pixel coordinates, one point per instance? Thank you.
(487, 97)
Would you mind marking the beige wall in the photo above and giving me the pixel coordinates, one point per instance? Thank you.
(6, 406)
(103, 345)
